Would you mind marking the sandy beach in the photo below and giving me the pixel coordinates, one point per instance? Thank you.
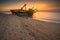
(13, 27)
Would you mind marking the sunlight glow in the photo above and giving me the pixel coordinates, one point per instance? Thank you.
(38, 6)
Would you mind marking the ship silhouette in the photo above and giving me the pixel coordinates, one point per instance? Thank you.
(23, 12)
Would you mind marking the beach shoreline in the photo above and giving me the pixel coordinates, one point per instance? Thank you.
(13, 27)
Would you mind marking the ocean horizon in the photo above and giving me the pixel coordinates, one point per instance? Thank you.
(44, 16)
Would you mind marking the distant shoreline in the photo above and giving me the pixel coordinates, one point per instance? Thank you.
(48, 20)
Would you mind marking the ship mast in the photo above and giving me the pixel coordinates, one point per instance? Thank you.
(23, 7)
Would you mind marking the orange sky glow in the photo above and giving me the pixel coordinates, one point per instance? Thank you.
(38, 6)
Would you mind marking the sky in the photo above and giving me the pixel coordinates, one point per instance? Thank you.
(6, 5)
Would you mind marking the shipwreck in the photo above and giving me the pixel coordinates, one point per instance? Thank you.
(23, 12)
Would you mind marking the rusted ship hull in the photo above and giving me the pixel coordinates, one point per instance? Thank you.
(22, 12)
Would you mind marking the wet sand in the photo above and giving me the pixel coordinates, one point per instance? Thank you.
(13, 27)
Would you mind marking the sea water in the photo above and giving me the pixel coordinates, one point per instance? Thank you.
(44, 16)
(6, 12)
(47, 16)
